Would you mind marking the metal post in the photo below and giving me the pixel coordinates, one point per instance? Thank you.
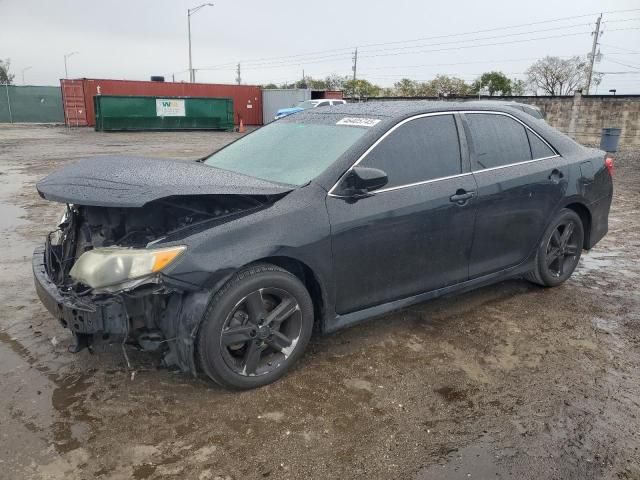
(238, 75)
(6, 86)
(24, 70)
(191, 11)
(596, 35)
(355, 64)
(191, 79)
(66, 73)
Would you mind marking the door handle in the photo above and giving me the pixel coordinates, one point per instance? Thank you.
(555, 175)
(462, 196)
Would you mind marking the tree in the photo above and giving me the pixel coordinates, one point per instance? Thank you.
(555, 76)
(5, 76)
(496, 82)
(518, 87)
(360, 88)
(269, 86)
(446, 86)
(335, 82)
(406, 88)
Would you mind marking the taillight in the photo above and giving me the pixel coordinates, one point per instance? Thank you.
(608, 162)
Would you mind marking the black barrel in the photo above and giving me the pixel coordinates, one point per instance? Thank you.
(609, 139)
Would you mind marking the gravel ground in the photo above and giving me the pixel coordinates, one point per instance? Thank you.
(509, 381)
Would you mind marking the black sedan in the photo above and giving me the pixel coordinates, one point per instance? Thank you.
(315, 222)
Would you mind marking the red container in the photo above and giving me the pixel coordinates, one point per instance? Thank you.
(335, 94)
(77, 96)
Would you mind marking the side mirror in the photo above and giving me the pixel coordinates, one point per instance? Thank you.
(362, 180)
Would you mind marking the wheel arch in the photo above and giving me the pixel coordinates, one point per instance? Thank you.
(308, 277)
(583, 212)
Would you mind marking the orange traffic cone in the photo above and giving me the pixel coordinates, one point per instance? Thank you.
(241, 128)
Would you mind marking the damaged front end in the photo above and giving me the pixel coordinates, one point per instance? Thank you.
(106, 271)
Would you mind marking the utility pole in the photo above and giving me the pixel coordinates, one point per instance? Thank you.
(596, 36)
(191, 11)
(24, 70)
(66, 73)
(355, 64)
(238, 76)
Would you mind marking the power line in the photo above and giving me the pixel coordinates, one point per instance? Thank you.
(619, 48)
(624, 64)
(478, 46)
(331, 58)
(346, 49)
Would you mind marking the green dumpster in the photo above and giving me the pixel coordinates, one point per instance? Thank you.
(114, 112)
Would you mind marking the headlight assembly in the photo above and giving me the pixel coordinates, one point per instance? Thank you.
(111, 266)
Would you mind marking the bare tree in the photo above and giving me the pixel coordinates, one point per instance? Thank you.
(557, 76)
(6, 77)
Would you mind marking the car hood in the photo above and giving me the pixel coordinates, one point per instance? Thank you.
(127, 181)
(289, 110)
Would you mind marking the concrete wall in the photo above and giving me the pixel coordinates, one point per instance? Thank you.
(580, 117)
(584, 117)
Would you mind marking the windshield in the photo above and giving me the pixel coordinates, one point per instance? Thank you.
(286, 152)
(306, 104)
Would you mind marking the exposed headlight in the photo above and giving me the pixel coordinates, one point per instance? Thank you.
(109, 266)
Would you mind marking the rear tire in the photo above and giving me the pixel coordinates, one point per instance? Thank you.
(559, 251)
(255, 328)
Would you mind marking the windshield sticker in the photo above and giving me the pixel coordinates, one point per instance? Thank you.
(358, 122)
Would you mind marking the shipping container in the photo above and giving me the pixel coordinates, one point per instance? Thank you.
(322, 94)
(165, 113)
(273, 99)
(74, 103)
(79, 108)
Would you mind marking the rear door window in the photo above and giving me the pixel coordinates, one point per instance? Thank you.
(497, 140)
(539, 149)
(423, 149)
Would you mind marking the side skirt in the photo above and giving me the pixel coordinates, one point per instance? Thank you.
(343, 321)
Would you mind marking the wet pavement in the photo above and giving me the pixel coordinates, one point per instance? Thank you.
(509, 381)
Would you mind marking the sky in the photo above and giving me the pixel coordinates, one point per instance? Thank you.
(276, 41)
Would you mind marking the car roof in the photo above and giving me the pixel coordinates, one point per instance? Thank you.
(404, 108)
(506, 102)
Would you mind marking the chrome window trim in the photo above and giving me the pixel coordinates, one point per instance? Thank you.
(499, 167)
(390, 189)
(433, 114)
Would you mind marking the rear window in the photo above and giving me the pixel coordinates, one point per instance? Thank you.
(539, 149)
(498, 140)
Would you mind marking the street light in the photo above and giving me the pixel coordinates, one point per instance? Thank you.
(66, 74)
(191, 11)
(24, 70)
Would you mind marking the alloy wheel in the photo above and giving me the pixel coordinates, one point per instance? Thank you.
(261, 331)
(562, 249)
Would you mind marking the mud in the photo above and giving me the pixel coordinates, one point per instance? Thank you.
(509, 381)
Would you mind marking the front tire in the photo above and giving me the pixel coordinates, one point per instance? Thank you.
(559, 251)
(255, 328)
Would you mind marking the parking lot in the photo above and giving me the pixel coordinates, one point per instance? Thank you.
(509, 381)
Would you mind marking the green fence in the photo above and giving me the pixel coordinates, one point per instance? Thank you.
(162, 113)
(30, 104)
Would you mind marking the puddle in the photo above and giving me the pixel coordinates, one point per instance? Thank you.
(593, 261)
(479, 461)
